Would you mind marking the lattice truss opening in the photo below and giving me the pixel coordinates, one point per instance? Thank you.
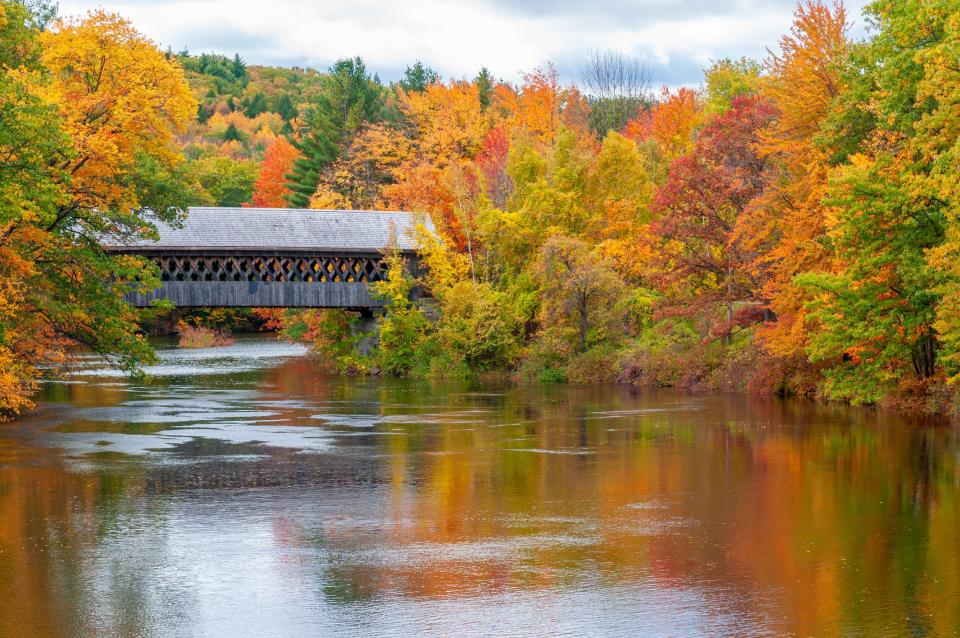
(271, 268)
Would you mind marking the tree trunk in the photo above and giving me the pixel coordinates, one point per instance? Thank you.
(924, 355)
(729, 336)
(584, 322)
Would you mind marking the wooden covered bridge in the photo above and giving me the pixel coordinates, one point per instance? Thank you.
(274, 257)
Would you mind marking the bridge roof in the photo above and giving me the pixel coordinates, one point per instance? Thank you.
(285, 229)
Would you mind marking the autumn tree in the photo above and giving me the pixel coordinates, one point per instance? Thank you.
(670, 122)
(621, 189)
(492, 164)
(107, 165)
(939, 130)
(702, 260)
(221, 181)
(580, 291)
(448, 129)
(790, 218)
(30, 191)
(893, 133)
(727, 79)
(541, 106)
(270, 188)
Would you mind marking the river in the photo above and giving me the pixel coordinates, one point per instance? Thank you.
(241, 491)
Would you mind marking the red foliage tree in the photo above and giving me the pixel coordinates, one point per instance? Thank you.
(492, 161)
(270, 189)
(706, 194)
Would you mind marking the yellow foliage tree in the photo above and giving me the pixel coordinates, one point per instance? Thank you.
(96, 110)
(121, 100)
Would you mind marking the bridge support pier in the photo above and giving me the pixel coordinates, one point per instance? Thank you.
(366, 328)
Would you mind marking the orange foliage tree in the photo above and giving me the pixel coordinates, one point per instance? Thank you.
(270, 189)
(670, 122)
(790, 218)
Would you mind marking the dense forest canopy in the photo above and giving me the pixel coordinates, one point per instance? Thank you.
(788, 226)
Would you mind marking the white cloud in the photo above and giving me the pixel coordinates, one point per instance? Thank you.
(457, 38)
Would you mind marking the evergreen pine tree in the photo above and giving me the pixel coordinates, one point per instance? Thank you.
(256, 105)
(284, 106)
(238, 67)
(418, 77)
(231, 134)
(484, 87)
(349, 98)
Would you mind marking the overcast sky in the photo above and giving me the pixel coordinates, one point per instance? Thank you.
(458, 37)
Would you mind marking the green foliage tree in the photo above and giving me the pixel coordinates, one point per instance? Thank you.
(256, 105)
(727, 79)
(403, 328)
(580, 290)
(232, 134)
(894, 132)
(485, 83)
(418, 77)
(284, 106)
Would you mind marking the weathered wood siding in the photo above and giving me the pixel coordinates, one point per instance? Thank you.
(261, 294)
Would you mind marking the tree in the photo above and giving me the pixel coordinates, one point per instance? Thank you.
(30, 189)
(702, 261)
(620, 189)
(238, 68)
(579, 291)
(484, 82)
(727, 79)
(270, 188)
(349, 98)
(113, 168)
(492, 163)
(418, 77)
(540, 106)
(618, 86)
(552, 196)
(447, 130)
(789, 220)
(938, 131)
(373, 161)
(232, 134)
(874, 318)
(284, 106)
(222, 181)
(670, 123)
(403, 328)
(256, 105)
(890, 201)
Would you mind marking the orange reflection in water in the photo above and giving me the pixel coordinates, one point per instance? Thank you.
(797, 518)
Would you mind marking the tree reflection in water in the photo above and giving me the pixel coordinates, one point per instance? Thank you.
(279, 500)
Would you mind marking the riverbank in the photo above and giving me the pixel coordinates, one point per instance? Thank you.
(689, 365)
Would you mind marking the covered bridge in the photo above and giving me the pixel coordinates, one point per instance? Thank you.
(274, 257)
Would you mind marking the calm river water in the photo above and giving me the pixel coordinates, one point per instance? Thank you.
(242, 492)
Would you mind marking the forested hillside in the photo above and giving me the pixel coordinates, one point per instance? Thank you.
(789, 226)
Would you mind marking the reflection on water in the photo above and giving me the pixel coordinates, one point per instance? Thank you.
(241, 492)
